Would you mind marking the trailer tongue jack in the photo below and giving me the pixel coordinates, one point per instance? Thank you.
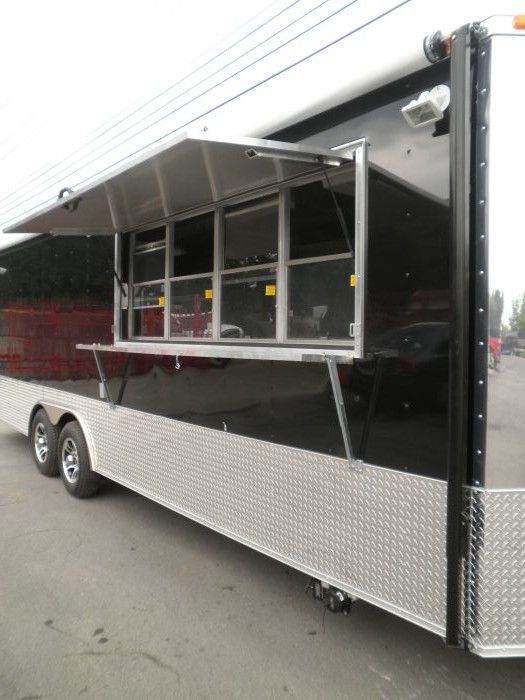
(335, 600)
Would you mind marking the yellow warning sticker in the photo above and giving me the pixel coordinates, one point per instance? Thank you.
(352, 280)
(162, 301)
(208, 293)
(270, 290)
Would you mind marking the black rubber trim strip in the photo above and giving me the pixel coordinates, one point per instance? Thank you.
(460, 137)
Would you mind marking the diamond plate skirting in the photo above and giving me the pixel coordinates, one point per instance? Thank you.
(495, 576)
(377, 533)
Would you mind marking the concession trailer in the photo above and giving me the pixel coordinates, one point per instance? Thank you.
(285, 335)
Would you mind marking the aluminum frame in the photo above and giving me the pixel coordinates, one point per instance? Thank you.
(354, 152)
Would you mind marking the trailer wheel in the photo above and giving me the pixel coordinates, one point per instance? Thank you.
(74, 463)
(44, 443)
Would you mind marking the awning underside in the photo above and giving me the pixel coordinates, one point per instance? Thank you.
(191, 172)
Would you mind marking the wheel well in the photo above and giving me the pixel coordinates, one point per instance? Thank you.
(66, 417)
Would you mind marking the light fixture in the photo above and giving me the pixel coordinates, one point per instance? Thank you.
(428, 108)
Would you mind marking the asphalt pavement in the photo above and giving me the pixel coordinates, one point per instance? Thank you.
(117, 597)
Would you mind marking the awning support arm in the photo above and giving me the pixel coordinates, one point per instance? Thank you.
(124, 382)
(103, 378)
(378, 374)
(331, 363)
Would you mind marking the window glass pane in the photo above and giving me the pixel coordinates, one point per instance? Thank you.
(248, 304)
(148, 310)
(193, 246)
(321, 299)
(191, 302)
(148, 257)
(250, 234)
(314, 227)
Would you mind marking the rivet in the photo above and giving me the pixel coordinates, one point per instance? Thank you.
(482, 164)
(481, 343)
(482, 237)
(480, 416)
(481, 310)
(483, 53)
(481, 382)
(479, 452)
(482, 272)
(483, 128)
(482, 201)
(483, 91)
(476, 482)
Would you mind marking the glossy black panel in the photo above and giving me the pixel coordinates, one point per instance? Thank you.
(59, 292)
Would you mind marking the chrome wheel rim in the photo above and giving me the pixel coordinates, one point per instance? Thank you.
(70, 464)
(41, 443)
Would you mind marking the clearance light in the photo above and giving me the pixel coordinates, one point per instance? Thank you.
(518, 22)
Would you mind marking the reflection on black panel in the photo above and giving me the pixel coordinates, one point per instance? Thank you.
(148, 310)
(191, 302)
(321, 299)
(314, 227)
(193, 246)
(248, 303)
(250, 234)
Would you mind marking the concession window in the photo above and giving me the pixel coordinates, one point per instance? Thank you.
(233, 248)
(230, 247)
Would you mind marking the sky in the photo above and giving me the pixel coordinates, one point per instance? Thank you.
(66, 67)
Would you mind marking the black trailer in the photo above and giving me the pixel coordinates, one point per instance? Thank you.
(286, 339)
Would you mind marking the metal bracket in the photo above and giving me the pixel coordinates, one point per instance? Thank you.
(105, 383)
(331, 363)
(103, 378)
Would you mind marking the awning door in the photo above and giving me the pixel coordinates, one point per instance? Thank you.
(192, 171)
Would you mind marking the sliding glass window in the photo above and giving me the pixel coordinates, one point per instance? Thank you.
(279, 268)
(321, 265)
(148, 275)
(191, 293)
(249, 272)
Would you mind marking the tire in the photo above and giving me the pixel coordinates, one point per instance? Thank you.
(74, 463)
(44, 443)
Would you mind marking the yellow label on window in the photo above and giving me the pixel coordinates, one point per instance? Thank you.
(352, 280)
(270, 290)
(162, 301)
(208, 293)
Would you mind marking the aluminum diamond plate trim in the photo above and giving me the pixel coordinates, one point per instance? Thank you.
(495, 577)
(17, 399)
(376, 533)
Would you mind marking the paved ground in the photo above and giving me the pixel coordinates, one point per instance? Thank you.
(116, 597)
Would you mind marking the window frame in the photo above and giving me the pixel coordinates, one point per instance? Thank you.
(281, 193)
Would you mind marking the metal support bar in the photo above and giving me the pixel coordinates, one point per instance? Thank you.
(458, 399)
(331, 363)
(102, 376)
(378, 374)
(124, 381)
